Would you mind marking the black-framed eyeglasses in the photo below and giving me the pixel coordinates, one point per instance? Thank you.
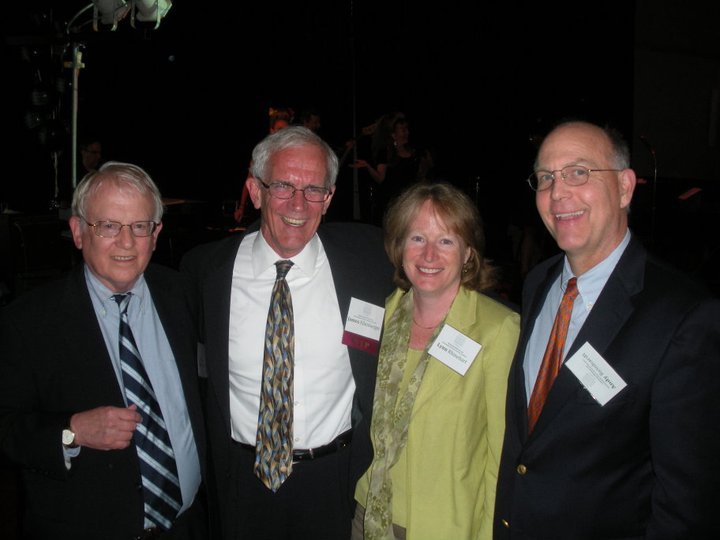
(110, 229)
(285, 190)
(572, 175)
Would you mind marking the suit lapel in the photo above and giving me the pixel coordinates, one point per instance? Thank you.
(169, 304)
(174, 324)
(216, 310)
(461, 318)
(79, 332)
(342, 273)
(516, 384)
(608, 315)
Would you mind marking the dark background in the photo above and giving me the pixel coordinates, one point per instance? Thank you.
(188, 100)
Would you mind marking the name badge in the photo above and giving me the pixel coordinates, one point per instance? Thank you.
(595, 374)
(363, 326)
(455, 349)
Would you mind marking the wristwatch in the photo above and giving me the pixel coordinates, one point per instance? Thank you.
(68, 438)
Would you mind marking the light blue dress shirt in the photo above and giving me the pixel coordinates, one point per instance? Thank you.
(590, 285)
(159, 362)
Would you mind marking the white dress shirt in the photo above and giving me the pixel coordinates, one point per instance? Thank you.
(323, 381)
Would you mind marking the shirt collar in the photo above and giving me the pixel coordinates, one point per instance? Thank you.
(264, 257)
(590, 284)
(104, 294)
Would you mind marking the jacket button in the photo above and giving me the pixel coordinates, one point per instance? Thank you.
(505, 523)
(521, 469)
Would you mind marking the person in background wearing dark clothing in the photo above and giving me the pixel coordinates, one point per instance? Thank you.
(395, 163)
(310, 118)
(99, 402)
(91, 157)
(332, 275)
(614, 394)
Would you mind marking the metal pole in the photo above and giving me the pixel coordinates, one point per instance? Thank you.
(357, 215)
(76, 66)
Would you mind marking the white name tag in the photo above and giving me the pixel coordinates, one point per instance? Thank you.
(455, 349)
(595, 374)
(363, 326)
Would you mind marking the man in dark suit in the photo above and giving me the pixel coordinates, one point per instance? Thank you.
(292, 183)
(625, 445)
(68, 416)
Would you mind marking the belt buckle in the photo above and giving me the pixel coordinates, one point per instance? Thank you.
(149, 533)
(306, 455)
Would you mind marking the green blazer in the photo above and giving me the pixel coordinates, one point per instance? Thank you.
(458, 422)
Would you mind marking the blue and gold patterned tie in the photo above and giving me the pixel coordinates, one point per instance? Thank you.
(161, 487)
(274, 443)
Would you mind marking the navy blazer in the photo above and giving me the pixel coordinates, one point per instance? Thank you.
(55, 363)
(359, 269)
(645, 465)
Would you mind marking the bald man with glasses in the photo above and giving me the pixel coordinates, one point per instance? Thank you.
(614, 392)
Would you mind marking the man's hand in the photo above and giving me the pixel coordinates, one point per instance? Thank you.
(105, 428)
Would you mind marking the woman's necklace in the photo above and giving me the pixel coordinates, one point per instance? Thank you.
(425, 327)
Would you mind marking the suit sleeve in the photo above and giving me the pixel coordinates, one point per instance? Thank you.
(190, 272)
(29, 436)
(684, 419)
(496, 379)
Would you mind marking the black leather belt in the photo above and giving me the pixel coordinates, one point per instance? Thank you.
(340, 442)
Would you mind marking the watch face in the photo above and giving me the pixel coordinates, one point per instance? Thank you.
(68, 437)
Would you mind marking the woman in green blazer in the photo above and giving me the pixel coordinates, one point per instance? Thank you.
(439, 406)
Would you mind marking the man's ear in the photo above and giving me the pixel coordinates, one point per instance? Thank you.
(253, 187)
(326, 204)
(75, 225)
(626, 184)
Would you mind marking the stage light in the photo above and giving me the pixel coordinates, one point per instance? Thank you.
(149, 10)
(111, 12)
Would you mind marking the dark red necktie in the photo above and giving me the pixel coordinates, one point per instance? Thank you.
(552, 360)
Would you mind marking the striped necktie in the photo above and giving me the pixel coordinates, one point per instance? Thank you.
(274, 443)
(552, 360)
(161, 487)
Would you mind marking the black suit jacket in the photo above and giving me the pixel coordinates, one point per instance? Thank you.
(55, 363)
(645, 465)
(359, 268)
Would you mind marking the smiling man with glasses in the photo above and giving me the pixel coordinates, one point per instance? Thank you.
(110, 229)
(614, 392)
(572, 175)
(99, 396)
(325, 381)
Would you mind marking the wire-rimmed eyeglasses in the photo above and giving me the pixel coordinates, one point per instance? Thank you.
(285, 190)
(572, 175)
(110, 229)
